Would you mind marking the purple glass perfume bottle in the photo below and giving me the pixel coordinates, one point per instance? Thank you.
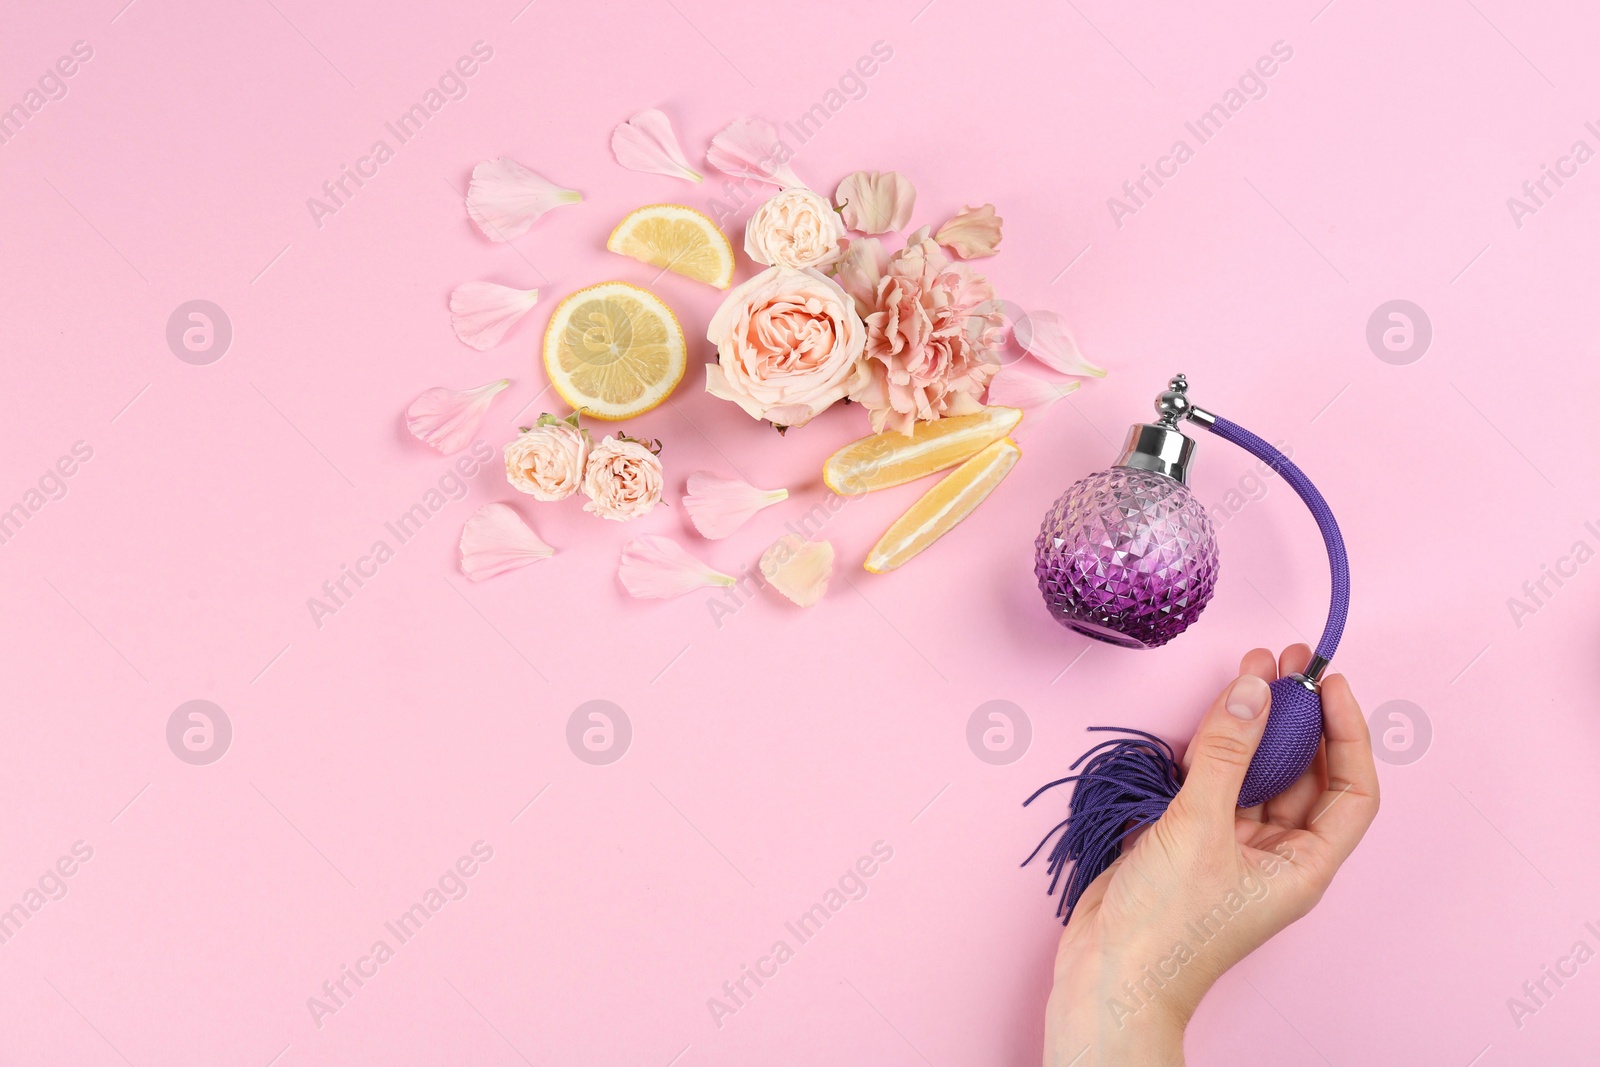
(1128, 555)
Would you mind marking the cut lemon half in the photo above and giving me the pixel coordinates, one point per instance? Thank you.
(950, 500)
(676, 238)
(889, 459)
(614, 351)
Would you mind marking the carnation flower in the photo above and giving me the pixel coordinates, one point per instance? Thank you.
(547, 460)
(622, 479)
(933, 331)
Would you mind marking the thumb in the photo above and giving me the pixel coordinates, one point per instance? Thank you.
(1223, 747)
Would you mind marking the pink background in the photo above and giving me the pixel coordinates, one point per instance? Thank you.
(772, 752)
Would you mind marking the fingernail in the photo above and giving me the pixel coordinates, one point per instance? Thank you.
(1248, 697)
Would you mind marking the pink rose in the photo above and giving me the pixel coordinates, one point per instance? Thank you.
(622, 480)
(933, 330)
(547, 460)
(787, 344)
(796, 228)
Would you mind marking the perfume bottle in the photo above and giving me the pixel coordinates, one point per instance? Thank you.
(1129, 556)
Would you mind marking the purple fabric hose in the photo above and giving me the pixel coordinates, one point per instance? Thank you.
(1337, 560)
(1128, 782)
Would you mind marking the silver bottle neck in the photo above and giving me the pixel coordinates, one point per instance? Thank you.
(1157, 447)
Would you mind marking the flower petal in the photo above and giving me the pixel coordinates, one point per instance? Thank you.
(482, 312)
(1013, 389)
(657, 568)
(646, 143)
(496, 540)
(859, 268)
(973, 233)
(718, 506)
(876, 203)
(447, 418)
(797, 568)
(505, 198)
(1045, 337)
(751, 148)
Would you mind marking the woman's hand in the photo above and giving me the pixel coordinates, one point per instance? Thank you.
(1207, 883)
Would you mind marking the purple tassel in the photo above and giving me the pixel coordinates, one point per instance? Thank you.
(1126, 783)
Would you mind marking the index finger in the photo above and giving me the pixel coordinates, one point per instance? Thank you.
(1340, 816)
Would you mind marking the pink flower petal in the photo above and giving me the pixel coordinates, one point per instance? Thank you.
(876, 203)
(657, 568)
(718, 506)
(859, 267)
(1013, 389)
(447, 418)
(973, 233)
(505, 198)
(496, 540)
(797, 568)
(646, 143)
(1045, 337)
(751, 148)
(482, 312)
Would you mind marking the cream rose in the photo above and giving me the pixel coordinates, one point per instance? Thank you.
(797, 228)
(622, 480)
(546, 461)
(787, 344)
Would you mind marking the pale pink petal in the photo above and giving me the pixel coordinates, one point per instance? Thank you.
(718, 506)
(496, 540)
(797, 568)
(973, 233)
(859, 268)
(505, 198)
(646, 143)
(1013, 389)
(751, 148)
(1045, 337)
(447, 418)
(871, 202)
(657, 568)
(482, 312)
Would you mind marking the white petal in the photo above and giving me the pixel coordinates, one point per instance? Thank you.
(871, 202)
(505, 198)
(482, 312)
(496, 540)
(646, 143)
(1045, 337)
(657, 568)
(1013, 389)
(799, 569)
(447, 418)
(751, 148)
(718, 506)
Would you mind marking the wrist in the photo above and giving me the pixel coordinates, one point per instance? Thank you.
(1123, 1018)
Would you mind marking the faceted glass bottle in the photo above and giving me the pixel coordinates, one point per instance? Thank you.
(1128, 555)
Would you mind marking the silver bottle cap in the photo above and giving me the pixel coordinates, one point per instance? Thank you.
(1157, 447)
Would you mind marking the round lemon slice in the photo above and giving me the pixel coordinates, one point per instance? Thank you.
(676, 238)
(614, 351)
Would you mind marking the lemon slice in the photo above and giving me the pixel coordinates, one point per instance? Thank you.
(614, 351)
(676, 238)
(889, 459)
(950, 500)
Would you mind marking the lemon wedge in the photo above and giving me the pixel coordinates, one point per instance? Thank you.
(614, 351)
(941, 508)
(888, 459)
(676, 238)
